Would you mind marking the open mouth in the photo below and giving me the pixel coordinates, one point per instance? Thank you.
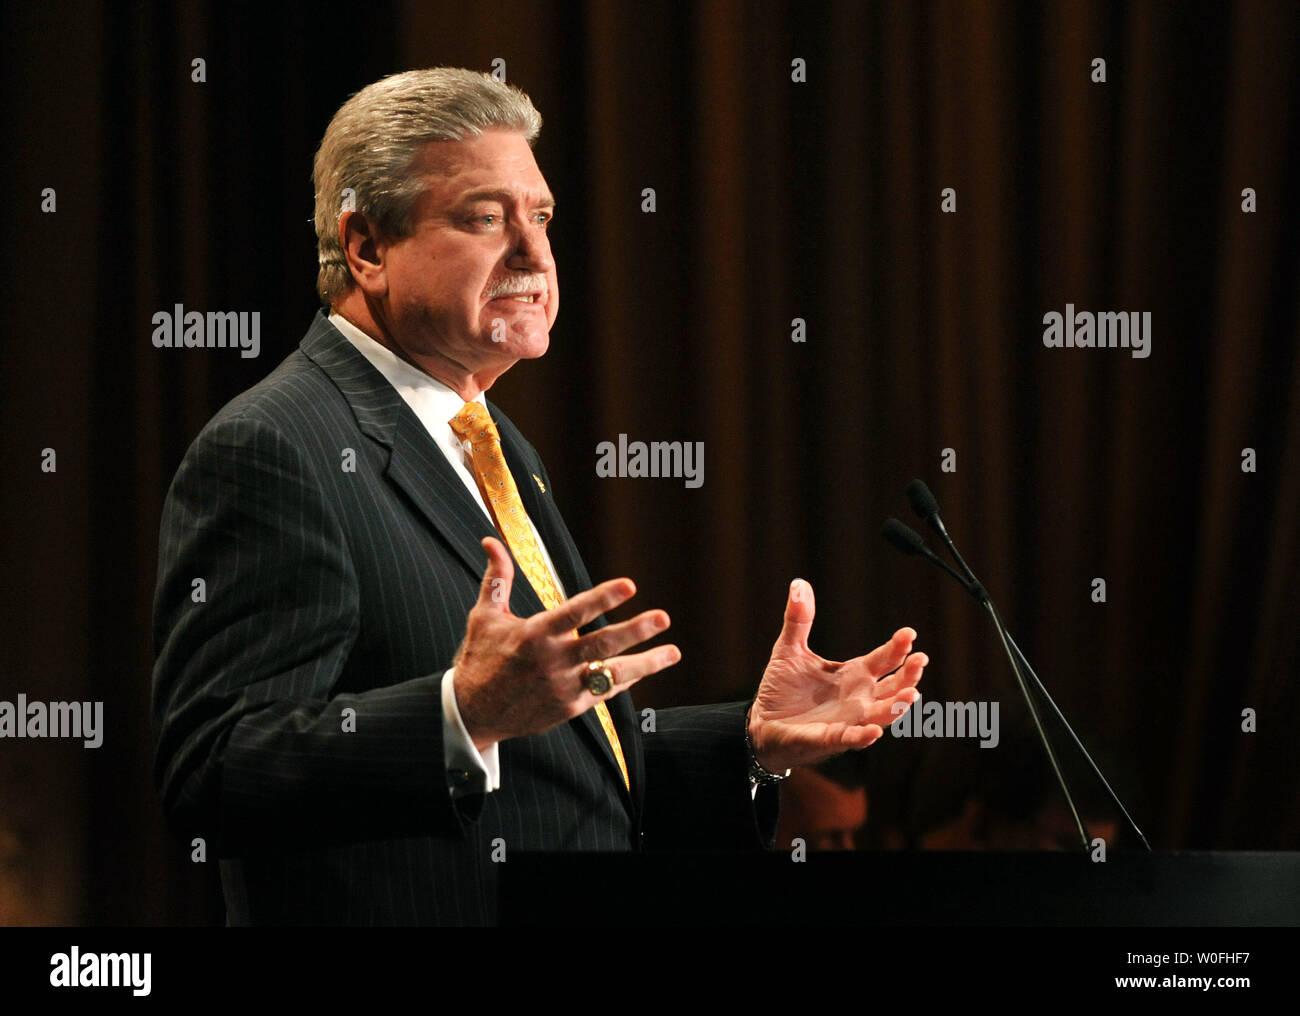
(528, 298)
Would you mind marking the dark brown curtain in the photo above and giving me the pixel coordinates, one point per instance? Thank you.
(775, 200)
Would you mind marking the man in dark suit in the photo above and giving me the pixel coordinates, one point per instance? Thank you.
(381, 662)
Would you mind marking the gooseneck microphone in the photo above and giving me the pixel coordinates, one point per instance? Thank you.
(926, 506)
(910, 542)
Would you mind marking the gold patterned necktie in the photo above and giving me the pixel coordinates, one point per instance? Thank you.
(474, 426)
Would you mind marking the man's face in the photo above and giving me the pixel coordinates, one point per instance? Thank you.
(474, 282)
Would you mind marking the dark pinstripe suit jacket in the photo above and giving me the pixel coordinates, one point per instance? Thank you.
(296, 691)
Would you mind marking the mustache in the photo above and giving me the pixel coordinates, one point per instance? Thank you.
(517, 284)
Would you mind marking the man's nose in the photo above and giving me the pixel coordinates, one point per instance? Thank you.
(532, 251)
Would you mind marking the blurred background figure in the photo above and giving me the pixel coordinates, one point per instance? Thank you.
(826, 806)
(1004, 799)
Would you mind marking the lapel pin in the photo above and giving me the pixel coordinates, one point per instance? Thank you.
(540, 485)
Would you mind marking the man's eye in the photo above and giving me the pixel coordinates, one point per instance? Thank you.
(545, 218)
(489, 220)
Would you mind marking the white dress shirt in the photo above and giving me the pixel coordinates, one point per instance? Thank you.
(434, 404)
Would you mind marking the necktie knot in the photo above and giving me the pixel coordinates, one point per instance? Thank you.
(473, 424)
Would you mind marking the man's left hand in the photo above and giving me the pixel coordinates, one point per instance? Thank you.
(809, 709)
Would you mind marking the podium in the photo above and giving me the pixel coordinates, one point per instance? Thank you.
(1163, 889)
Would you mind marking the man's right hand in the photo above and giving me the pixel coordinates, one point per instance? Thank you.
(518, 676)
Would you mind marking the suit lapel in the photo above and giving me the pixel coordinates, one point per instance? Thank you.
(422, 472)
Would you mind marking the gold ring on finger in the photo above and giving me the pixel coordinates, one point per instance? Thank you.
(598, 678)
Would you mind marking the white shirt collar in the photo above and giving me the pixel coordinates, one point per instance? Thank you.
(432, 400)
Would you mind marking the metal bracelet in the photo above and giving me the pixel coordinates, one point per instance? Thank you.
(758, 774)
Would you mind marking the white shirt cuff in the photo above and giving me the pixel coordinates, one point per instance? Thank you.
(468, 770)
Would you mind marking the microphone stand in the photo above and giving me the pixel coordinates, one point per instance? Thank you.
(1096, 771)
(987, 603)
(1013, 652)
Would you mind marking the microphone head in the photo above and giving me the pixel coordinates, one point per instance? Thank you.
(902, 537)
(923, 502)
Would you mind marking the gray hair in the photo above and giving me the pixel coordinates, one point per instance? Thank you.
(374, 139)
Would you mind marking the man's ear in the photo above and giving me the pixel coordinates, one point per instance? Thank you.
(364, 248)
